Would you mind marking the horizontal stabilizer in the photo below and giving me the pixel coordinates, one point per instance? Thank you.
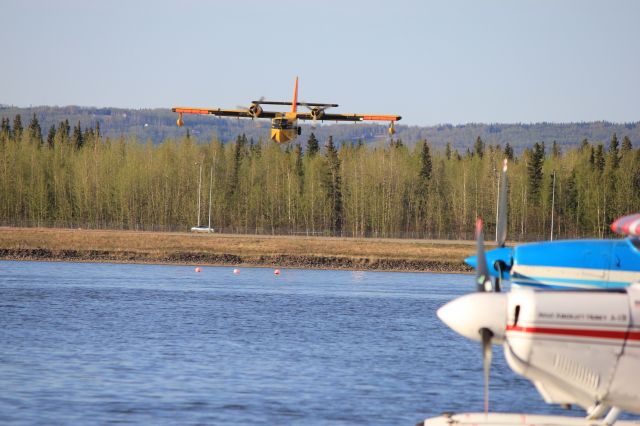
(311, 104)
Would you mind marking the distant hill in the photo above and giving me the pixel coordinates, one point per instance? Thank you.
(159, 124)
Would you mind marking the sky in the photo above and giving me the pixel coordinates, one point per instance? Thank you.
(431, 62)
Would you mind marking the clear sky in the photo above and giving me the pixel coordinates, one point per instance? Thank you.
(431, 62)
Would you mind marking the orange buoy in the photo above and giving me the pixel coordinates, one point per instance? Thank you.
(276, 272)
(198, 269)
(236, 271)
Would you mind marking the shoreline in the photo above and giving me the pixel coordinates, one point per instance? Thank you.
(109, 246)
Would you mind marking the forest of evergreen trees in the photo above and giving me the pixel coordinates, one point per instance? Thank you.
(70, 176)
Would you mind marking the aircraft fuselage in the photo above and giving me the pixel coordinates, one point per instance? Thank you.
(284, 128)
(571, 264)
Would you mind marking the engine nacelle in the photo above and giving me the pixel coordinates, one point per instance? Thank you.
(255, 110)
(317, 113)
(180, 121)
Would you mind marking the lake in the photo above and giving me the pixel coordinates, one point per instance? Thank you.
(85, 343)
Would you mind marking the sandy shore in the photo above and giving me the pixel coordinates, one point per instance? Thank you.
(80, 245)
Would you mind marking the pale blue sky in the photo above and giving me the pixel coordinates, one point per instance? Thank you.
(431, 62)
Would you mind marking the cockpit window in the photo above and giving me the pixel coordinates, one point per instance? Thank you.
(281, 123)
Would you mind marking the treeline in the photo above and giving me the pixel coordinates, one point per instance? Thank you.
(159, 125)
(70, 176)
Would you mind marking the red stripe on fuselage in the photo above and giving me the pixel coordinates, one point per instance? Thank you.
(598, 334)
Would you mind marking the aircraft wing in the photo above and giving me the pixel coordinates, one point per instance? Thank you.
(222, 112)
(349, 117)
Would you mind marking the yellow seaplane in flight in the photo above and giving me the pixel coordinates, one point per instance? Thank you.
(284, 125)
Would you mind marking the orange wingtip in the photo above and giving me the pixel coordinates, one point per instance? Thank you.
(381, 117)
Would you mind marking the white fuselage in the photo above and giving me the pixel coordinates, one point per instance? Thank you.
(577, 347)
(580, 347)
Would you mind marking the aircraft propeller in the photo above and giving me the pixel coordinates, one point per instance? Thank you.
(316, 112)
(255, 110)
(483, 284)
(480, 315)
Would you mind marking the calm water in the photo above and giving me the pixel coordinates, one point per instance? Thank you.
(147, 344)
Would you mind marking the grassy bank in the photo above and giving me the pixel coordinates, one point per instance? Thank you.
(225, 249)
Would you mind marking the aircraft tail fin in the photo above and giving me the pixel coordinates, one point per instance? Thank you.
(294, 105)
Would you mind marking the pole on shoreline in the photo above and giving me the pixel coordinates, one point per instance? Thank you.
(199, 185)
(553, 201)
(498, 206)
(210, 189)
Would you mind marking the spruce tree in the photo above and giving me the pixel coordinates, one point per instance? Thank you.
(626, 145)
(534, 170)
(238, 154)
(571, 194)
(35, 131)
(424, 180)
(256, 150)
(88, 135)
(636, 177)
(426, 166)
(312, 146)
(297, 152)
(17, 127)
(6, 127)
(584, 145)
(598, 158)
(51, 137)
(64, 130)
(397, 143)
(508, 151)
(614, 153)
(447, 151)
(76, 140)
(334, 184)
(478, 147)
(555, 150)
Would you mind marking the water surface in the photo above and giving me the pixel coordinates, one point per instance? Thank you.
(148, 344)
